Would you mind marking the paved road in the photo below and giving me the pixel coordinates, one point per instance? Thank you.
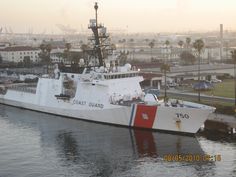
(192, 68)
(195, 96)
(35, 70)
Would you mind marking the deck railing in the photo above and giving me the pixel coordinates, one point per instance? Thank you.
(30, 88)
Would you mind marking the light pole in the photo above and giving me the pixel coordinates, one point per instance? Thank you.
(198, 45)
(199, 93)
(96, 12)
(164, 68)
(235, 84)
(234, 60)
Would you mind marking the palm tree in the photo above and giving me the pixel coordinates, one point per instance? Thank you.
(151, 45)
(43, 54)
(181, 43)
(165, 68)
(42, 47)
(234, 60)
(167, 43)
(198, 45)
(85, 50)
(124, 44)
(132, 48)
(68, 46)
(48, 49)
(122, 58)
(67, 51)
(188, 41)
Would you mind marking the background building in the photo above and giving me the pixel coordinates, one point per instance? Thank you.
(19, 54)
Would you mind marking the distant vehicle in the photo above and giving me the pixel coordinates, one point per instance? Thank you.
(203, 85)
(172, 84)
(27, 76)
(176, 64)
(45, 76)
(207, 81)
(216, 81)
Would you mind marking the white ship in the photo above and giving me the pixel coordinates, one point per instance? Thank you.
(106, 93)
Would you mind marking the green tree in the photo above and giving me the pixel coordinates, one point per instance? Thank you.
(42, 47)
(1, 59)
(165, 68)
(68, 46)
(20, 64)
(198, 46)
(27, 62)
(84, 47)
(187, 58)
(48, 49)
(167, 42)
(113, 47)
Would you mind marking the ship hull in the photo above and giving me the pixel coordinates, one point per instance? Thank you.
(171, 119)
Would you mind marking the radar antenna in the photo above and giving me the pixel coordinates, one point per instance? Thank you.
(99, 37)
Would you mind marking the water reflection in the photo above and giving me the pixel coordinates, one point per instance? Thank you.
(77, 147)
(145, 143)
(68, 145)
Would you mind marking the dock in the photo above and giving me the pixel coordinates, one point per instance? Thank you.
(221, 123)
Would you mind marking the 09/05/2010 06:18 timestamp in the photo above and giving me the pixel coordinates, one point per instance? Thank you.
(191, 158)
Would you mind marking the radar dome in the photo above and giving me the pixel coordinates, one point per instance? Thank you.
(128, 66)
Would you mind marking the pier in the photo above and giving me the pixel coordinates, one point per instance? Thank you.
(221, 123)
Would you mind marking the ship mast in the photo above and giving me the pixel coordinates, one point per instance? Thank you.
(99, 37)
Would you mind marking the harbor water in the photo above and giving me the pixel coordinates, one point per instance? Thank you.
(34, 144)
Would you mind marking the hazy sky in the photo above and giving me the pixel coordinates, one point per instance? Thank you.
(131, 15)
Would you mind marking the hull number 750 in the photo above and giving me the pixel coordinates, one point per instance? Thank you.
(182, 116)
